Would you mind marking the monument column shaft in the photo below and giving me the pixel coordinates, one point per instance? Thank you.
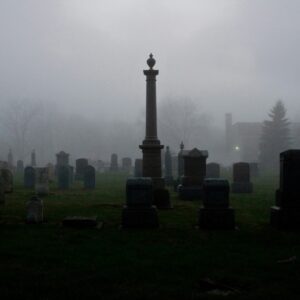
(151, 146)
(151, 119)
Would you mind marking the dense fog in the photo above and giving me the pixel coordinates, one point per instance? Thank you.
(71, 72)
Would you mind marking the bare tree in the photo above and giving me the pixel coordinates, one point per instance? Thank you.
(17, 116)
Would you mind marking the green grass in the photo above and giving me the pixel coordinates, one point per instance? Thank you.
(51, 262)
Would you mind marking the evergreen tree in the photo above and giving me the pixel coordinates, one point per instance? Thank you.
(275, 137)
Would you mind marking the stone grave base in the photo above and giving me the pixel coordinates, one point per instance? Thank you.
(283, 218)
(161, 199)
(81, 222)
(169, 181)
(216, 218)
(139, 217)
(190, 193)
(242, 187)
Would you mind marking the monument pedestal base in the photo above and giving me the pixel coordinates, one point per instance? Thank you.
(242, 187)
(216, 218)
(285, 218)
(139, 217)
(190, 192)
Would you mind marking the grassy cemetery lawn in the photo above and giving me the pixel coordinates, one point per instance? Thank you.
(175, 261)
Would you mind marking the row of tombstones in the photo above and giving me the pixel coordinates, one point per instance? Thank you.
(215, 213)
(39, 178)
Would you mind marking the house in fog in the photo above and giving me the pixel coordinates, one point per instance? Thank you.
(243, 138)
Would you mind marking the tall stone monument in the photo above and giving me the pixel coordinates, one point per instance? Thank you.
(151, 146)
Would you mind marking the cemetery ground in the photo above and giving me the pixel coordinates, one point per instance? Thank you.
(176, 261)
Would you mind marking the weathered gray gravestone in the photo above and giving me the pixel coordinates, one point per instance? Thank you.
(127, 164)
(114, 163)
(35, 212)
(138, 168)
(138, 211)
(241, 178)
(20, 166)
(7, 180)
(89, 177)
(216, 213)
(168, 167)
(180, 161)
(194, 174)
(286, 213)
(212, 170)
(71, 174)
(41, 181)
(81, 164)
(63, 177)
(29, 177)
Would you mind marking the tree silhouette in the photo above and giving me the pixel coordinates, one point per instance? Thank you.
(275, 137)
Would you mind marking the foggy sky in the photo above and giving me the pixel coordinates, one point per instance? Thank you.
(87, 56)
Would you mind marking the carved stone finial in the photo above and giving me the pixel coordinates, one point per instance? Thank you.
(151, 61)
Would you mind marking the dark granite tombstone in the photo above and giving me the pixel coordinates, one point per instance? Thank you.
(138, 167)
(127, 164)
(20, 166)
(168, 167)
(29, 177)
(212, 170)
(216, 213)
(114, 163)
(194, 174)
(89, 177)
(180, 163)
(41, 181)
(81, 164)
(138, 211)
(2, 194)
(71, 174)
(241, 178)
(63, 177)
(286, 213)
(33, 159)
(7, 180)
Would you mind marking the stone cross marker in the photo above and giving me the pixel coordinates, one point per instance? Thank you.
(286, 213)
(241, 178)
(29, 177)
(89, 177)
